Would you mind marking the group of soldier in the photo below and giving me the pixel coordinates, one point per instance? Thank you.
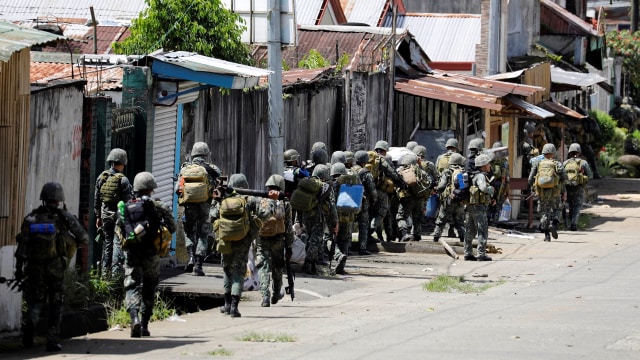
(393, 201)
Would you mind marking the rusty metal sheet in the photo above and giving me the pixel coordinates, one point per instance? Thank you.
(449, 94)
(561, 109)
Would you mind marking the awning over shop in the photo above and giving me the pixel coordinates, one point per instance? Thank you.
(184, 65)
(562, 110)
(529, 108)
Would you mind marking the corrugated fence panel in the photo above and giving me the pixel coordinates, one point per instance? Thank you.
(164, 148)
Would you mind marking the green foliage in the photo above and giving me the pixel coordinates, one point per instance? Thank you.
(202, 26)
(285, 66)
(342, 61)
(220, 352)
(83, 290)
(607, 128)
(313, 60)
(627, 45)
(447, 283)
(117, 314)
(162, 308)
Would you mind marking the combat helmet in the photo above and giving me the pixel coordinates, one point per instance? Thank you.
(200, 149)
(476, 144)
(117, 155)
(548, 149)
(276, 181)
(408, 160)
(144, 181)
(411, 145)
(322, 172)
(420, 151)
(318, 145)
(575, 147)
(338, 157)
(52, 191)
(338, 169)
(361, 157)
(456, 159)
(497, 144)
(452, 143)
(482, 159)
(291, 155)
(348, 157)
(382, 145)
(238, 181)
(319, 156)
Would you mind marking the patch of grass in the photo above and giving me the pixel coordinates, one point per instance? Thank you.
(447, 283)
(267, 337)
(117, 315)
(584, 221)
(162, 308)
(220, 352)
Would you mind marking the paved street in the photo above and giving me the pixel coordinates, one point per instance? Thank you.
(572, 298)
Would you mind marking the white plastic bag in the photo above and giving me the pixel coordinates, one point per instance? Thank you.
(505, 212)
(251, 277)
(298, 251)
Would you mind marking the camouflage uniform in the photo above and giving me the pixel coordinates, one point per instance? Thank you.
(314, 221)
(476, 216)
(575, 193)
(500, 173)
(381, 208)
(369, 200)
(550, 199)
(44, 268)
(450, 211)
(411, 209)
(112, 257)
(271, 251)
(197, 221)
(142, 268)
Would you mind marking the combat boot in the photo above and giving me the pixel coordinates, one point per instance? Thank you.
(405, 236)
(310, 267)
(451, 233)
(53, 345)
(227, 304)
(277, 296)
(483, 258)
(265, 300)
(371, 239)
(546, 236)
(341, 263)
(144, 325)
(189, 267)
(554, 229)
(436, 238)
(135, 324)
(197, 270)
(233, 311)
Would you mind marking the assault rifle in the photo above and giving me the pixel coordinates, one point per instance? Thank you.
(222, 188)
(291, 276)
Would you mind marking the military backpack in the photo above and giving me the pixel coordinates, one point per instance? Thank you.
(443, 162)
(305, 196)
(194, 184)
(44, 235)
(233, 223)
(575, 177)
(272, 217)
(547, 176)
(141, 224)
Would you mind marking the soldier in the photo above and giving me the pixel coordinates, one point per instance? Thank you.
(386, 178)
(315, 219)
(112, 186)
(451, 209)
(349, 160)
(196, 220)
(442, 163)
(622, 115)
(140, 222)
(411, 207)
(276, 237)
(369, 200)
(292, 171)
(480, 194)
(48, 239)
(474, 148)
(547, 179)
(338, 157)
(318, 156)
(235, 230)
(578, 173)
(500, 174)
(340, 176)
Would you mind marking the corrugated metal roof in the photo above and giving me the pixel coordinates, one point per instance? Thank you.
(464, 90)
(83, 43)
(14, 38)
(117, 10)
(529, 108)
(297, 76)
(560, 76)
(561, 109)
(368, 12)
(307, 11)
(554, 19)
(437, 32)
(99, 78)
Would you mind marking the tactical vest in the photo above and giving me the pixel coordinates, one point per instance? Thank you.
(45, 242)
(110, 190)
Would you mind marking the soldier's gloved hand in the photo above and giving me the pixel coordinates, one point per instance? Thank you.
(287, 253)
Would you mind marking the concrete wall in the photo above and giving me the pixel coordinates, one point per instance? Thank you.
(10, 305)
(523, 26)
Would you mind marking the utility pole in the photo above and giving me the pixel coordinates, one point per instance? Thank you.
(634, 16)
(276, 126)
(392, 74)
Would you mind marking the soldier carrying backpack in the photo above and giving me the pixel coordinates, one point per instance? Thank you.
(578, 173)
(350, 192)
(411, 209)
(112, 186)
(547, 179)
(453, 189)
(196, 182)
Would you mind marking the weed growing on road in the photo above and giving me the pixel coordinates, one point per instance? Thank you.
(220, 352)
(268, 337)
(447, 283)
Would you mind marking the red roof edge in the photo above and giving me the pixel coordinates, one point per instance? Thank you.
(452, 66)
